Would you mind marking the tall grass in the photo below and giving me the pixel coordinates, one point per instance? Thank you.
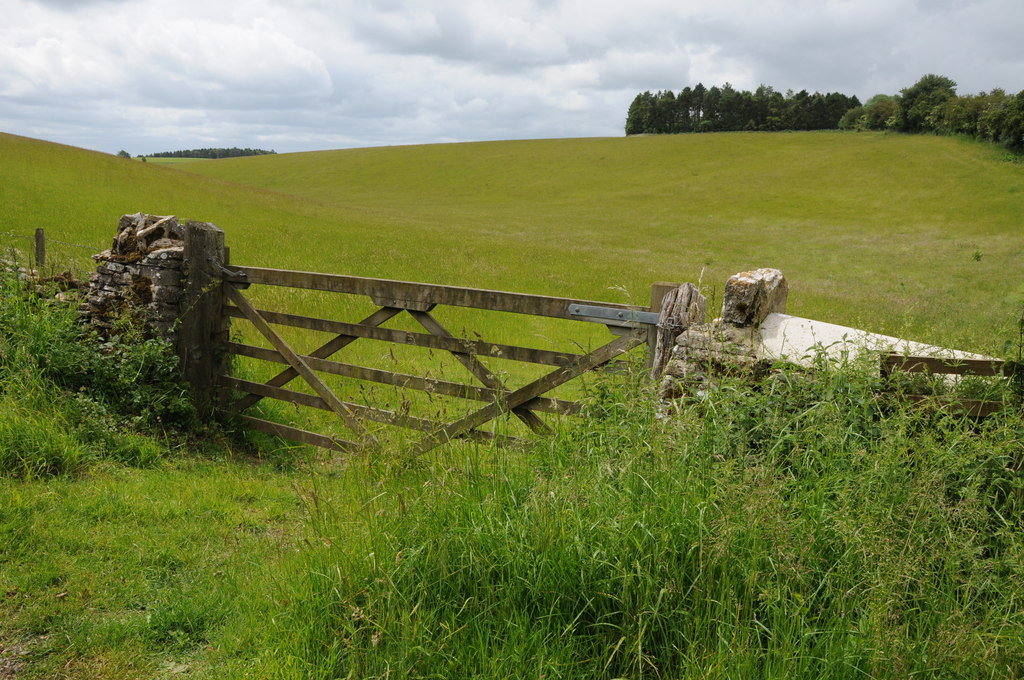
(803, 528)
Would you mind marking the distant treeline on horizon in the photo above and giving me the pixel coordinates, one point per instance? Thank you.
(725, 109)
(233, 152)
(930, 105)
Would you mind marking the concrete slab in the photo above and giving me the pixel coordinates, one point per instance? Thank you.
(798, 340)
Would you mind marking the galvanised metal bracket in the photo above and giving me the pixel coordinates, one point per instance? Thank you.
(610, 316)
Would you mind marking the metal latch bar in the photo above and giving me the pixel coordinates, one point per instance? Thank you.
(611, 316)
(238, 278)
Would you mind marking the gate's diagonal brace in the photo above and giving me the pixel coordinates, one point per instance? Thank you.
(536, 388)
(325, 351)
(480, 371)
(300, 367)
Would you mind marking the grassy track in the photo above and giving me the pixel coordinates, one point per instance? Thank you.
(130, 573)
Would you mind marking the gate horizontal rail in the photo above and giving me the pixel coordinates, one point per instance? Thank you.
(418, 296)
(891, 362)
(414, 382)
(477, 347)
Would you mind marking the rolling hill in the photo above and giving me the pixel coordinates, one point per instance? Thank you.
(909, 235)
(811, 527)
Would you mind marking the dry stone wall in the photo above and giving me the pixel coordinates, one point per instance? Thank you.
(140, 275)
(166, 276)
(753, 333)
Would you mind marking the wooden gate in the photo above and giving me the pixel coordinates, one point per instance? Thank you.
(631, 325)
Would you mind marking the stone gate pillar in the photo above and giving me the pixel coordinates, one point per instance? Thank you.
(166, 276)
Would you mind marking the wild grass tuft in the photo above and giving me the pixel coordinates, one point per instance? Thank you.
(802, 528)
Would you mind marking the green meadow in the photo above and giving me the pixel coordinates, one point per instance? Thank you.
(897, 234)
(809, 526)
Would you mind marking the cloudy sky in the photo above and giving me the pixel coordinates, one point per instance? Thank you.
(294, 75)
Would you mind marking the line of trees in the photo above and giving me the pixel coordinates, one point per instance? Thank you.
(723, 109)
(932, 105)
(929, 105)
(233, 152)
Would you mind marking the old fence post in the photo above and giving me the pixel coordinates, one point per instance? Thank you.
(659, 290)
(40, 249)
(203, 328)
(681, 307)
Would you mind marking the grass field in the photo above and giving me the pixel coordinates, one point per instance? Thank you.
(897, 234)
(850, 219)
(807, 528)
(903, 235)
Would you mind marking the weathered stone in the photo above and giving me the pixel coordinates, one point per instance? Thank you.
(128, 221)
(161, 244)
(729, 345)
(176, 231)
(165, 277)
(124, 241)
(719, 337)
(702, 353)
(164, 254)
(139, 235)
(751, 296)
(166, 294)
(146, 236)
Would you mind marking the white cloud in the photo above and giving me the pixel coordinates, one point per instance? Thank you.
(128, 54)
(301, 74)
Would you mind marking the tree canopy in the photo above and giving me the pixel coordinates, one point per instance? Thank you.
(921, 100)
(725, 108)
(233, 152)
(932, 105)
(929, 105)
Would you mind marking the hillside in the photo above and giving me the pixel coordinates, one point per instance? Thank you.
(807, 526)
(900, 234)
(78, 195)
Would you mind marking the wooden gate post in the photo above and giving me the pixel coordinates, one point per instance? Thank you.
(659, 290)
(202, 331)
(40, 249)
